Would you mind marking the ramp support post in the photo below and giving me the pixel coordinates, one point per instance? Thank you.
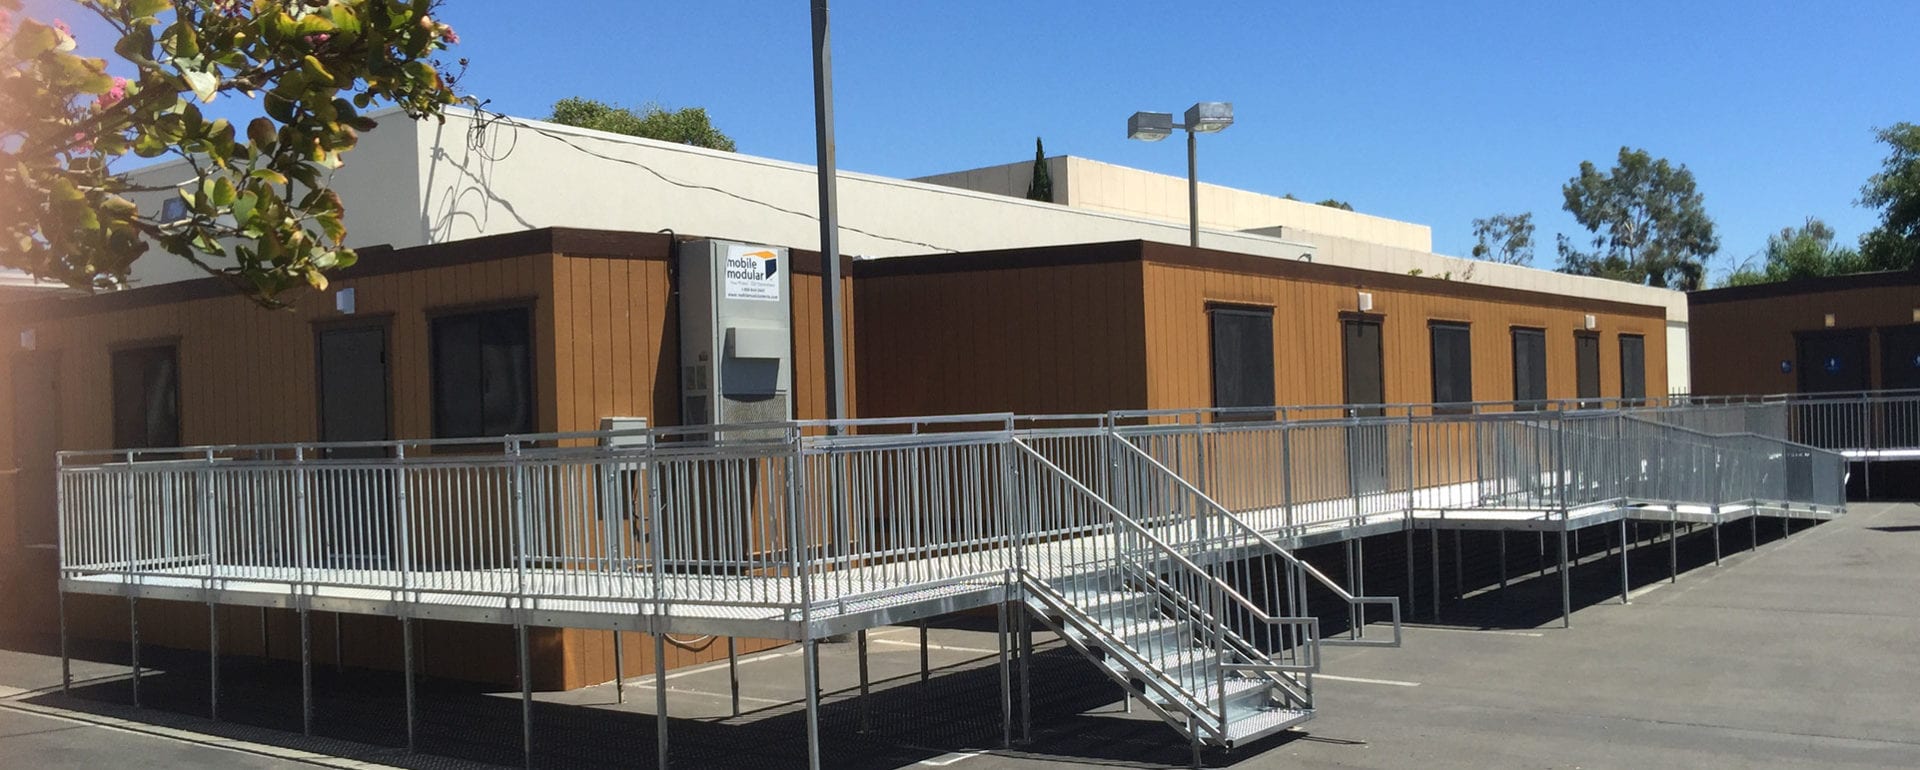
(1566, 582)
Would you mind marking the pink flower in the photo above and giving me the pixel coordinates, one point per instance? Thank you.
(81, 146)
(316, 39)
(114, 94)
(452, 37)
(62, 26)
(6, 19)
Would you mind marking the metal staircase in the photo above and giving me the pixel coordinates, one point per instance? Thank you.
(1159, 605)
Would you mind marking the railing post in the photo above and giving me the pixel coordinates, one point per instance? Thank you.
(656, 539)
(403, 522)
(520, 533)
(209, 542)
(1286, 471)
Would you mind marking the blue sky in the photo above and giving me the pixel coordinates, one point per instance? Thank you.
(1430, 112)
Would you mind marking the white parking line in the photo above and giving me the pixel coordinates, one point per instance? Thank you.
(948, 759)
(687, 691)
(1494, 631)
(1389, 682)
(900, 643)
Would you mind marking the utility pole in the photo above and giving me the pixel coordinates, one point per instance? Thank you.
(835, 340)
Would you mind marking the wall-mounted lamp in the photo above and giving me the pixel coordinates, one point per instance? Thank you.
(1591, 323)
(1829, 320)
(28, 340)
(344, 301)
(1366, 301)
(1307, 256)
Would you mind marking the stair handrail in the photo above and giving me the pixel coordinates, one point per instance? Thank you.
(1221, 512)
(1224, 640)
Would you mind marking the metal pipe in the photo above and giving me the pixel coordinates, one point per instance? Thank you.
(526, 696)
(660, 695)
(860, 642)
(406, 646)
(1412, 591)
(66, 658)
(306, 670)
(1006, 679)
(1673, 550)
(1026, 676)
(213, 661)
(620, 668)
(1625, 580)
(133, 638)
(810, 666)
(926, 670)
(733, 673)
(1433, 547)
(1566, 583)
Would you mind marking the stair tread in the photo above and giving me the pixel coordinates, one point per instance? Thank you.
(1265, 722)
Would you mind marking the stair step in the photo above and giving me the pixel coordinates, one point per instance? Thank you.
(1265, 722)
(1096, 602)
(1242, 694)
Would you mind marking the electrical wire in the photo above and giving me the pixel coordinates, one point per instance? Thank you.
(486, 147)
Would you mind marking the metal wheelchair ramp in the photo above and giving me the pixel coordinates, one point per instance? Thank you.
(1159, 547)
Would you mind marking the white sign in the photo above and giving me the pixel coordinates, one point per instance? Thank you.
(753, 272)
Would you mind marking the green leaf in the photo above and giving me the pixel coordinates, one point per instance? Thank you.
(261, 133)
(204, 84)
(222, 194)
(269, 176)
(144, 8)
(311, 65)
(243, 208)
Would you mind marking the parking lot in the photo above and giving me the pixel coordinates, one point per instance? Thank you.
(1798, 654)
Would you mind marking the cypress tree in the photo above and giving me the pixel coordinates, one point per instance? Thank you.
(1041, 188)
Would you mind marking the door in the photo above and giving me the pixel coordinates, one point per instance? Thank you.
(355, 497)
(1832, 362)
(1633, 369)
(1900, 370)
(1586, 357)
(36, 437)
(1364, 387)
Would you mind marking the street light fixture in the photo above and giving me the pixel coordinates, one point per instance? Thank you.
(1201, 118)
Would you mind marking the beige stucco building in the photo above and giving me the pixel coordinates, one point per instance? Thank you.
(415, 183)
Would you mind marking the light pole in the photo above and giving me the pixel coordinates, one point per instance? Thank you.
(1201, 118)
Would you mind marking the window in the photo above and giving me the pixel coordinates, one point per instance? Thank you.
(482, 374)
(1242, 359)
(1529, 368)
(1452, 368)
(146, 397)
(1633, 368)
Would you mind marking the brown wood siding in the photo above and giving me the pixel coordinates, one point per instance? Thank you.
(605, 343)
(1738, 345)
(1042, 340)
(1308, 356)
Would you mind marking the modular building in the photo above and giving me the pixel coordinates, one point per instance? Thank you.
(1817, 335)
(556, 330)
(544, 331)
(1139, 325)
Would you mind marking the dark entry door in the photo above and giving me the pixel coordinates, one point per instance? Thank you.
(1832, 362)
(1365, 386)
(36, 436)
(1586, 357)
(357, 499)
(1900, 370)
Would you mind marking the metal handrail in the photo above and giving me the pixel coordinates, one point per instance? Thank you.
(1271, 548)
